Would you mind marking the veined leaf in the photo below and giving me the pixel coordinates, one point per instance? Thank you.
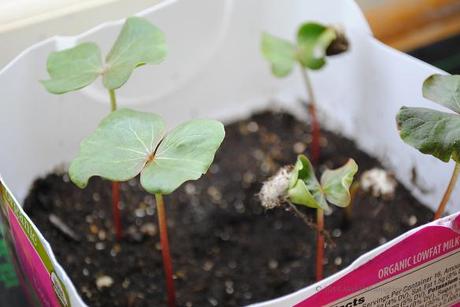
(119, 148)
(336, 183)
(73, 68)
(138, 43)
(431, 132)
(444, 90)
(128, 143)
(313, 40)
(280, 53)
(185, 154)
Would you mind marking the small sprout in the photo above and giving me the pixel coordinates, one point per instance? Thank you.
(434, 132)
(128, 143)
(300, 186)
(138, 43)
(314, 42)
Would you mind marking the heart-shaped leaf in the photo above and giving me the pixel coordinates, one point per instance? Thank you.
(304, 188)
(119, 148)
(431, 132)
(73, 68)
(280, 53)
(336, 183)
(185, 154)
(313, 40)
(128, 142)
(138, 43)
(444, 90)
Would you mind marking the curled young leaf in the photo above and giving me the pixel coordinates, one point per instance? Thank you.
(336, 183)
(73, 68)
(138, 43)
(128, 143)
(431, 132)
(313, 40)
(280, 53)
(444, 90)
(304, 188)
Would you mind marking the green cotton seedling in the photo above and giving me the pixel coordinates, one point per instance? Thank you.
(298, 185)
(314, 43)
(129, 143)
(138, 43)
(435, 132)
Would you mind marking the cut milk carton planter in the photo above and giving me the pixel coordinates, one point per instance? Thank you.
(215, 70)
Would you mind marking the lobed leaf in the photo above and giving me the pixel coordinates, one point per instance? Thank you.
(336, 183)
(138, 43)
(73, 68)
(127, 143)
(431, 132)
(280, 53)
(313, 40)
(185, 154)
(444, 90)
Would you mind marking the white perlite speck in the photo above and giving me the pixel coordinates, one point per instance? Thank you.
(104, 282)
(379, 183)
(274, 190)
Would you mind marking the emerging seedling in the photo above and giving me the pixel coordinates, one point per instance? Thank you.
(299, 185)
(138, 43)
(128, 143)
(434, 132)
(314, 42)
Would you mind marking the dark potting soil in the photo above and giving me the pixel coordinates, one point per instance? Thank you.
(226, 249)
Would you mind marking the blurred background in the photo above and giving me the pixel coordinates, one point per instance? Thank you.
(426, 29)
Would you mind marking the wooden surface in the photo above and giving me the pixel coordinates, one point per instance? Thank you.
(408, 24)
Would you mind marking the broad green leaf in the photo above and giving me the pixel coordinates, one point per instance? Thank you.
(185, 154)
(119, 148)
(280, 53)
(73, 68)
(138, 43)
(336, 183)
(313, 39)
(444, 90)
(304, 188)
(431, 132)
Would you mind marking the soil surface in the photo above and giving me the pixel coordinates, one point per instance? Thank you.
(227, 250)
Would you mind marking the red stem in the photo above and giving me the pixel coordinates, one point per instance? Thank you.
(315, 134)
(167, 264)
(319, 244)
(116, 210)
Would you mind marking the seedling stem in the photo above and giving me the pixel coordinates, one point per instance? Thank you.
(315, 127)
(167, 264)
(115, 185)
(319, 244)
(448, 192)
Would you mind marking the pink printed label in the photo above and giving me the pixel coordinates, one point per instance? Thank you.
(420, 270)
(33, 267)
